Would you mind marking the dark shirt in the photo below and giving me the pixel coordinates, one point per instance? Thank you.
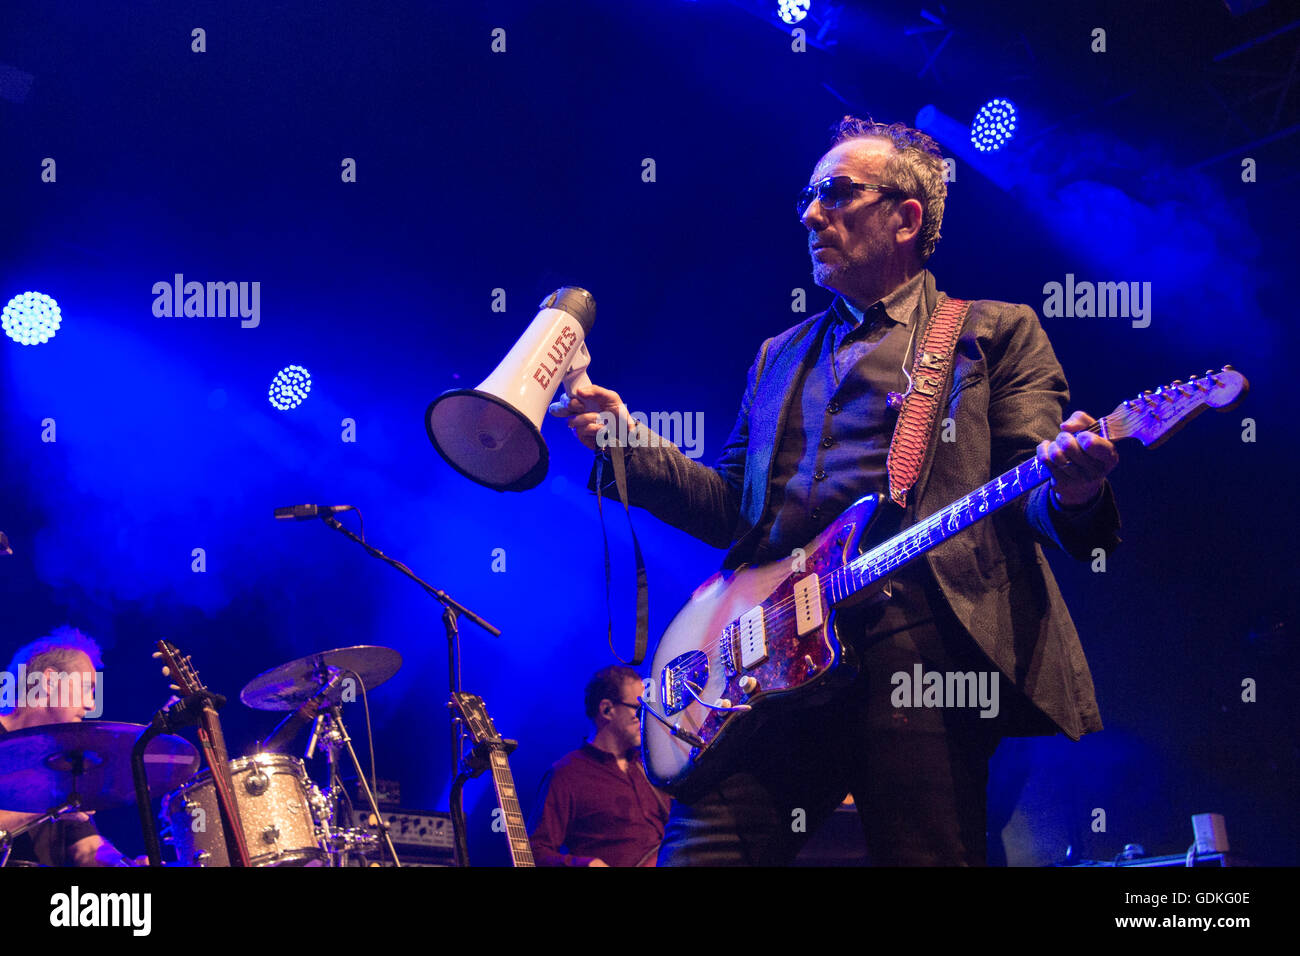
(836, 442)
(590, 809)
(50, 844)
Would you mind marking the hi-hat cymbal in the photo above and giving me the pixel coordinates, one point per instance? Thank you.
(292, 684)
(41, 767)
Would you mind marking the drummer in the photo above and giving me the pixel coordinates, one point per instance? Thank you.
(60, 674)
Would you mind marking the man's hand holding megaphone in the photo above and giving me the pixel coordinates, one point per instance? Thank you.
(583, 410)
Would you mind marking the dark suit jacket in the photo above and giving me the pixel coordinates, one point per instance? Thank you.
(1006, 392)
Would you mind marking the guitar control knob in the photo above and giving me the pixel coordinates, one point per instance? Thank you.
(748, 684)
(270, 833)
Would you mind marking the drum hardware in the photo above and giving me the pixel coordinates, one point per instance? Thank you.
(314, 688)
(452, 610)
(276, 810)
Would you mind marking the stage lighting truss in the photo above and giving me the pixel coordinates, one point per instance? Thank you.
(290, 387)
(994, 125)
(31, 318)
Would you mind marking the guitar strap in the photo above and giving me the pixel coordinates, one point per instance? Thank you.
(912, 433)
(907, 451)
(642, 596)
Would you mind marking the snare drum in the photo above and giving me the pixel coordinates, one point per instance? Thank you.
(273, 794)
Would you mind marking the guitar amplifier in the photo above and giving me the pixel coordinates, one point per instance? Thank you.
(421, 837)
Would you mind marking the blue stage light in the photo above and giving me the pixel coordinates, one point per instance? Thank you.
(792, 11)
(994, 125)
(289, 388)
(31, 318)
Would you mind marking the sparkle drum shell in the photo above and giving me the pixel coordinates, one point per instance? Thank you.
(274, 797)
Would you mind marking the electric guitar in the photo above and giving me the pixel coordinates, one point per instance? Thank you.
(750, 638)
(186, 682)
(489, 743)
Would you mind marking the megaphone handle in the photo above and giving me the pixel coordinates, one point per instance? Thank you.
(577, 371)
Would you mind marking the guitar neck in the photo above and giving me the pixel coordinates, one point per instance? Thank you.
(521, 850)
(213, 739)
(908, 545)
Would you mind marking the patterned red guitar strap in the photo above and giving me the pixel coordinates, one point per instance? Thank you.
(921, 403)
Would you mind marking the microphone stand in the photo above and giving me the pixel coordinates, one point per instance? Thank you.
(452, 609)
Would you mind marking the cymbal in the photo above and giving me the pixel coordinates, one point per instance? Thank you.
(291, 685)
(37, 765)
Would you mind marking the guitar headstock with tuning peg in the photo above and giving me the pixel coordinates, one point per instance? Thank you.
(1152, 417)
(179, 668)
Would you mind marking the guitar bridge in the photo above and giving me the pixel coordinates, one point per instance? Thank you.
(692, 666)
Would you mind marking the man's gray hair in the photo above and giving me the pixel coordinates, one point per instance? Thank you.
(56, 650)
(916, 167)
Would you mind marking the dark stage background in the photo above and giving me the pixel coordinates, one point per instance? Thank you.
(522, 171)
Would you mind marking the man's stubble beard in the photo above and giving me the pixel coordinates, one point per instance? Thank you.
(850, 277)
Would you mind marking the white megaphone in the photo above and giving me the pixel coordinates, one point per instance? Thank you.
(492, 433)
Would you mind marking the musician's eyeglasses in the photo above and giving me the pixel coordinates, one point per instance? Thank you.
(637, 706)
(835, 191)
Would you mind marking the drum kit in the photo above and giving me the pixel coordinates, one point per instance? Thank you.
(287, 820)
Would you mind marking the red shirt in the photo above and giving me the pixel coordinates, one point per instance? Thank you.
(590, 809)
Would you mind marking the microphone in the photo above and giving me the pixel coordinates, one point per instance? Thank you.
(307, 512)
(315, 737)
(299, 719)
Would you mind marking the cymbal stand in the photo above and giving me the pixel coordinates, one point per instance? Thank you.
(336, 738)
(7, 837)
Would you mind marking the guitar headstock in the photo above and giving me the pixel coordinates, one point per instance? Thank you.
(477, 722)
(178, 667)
(1153, 417)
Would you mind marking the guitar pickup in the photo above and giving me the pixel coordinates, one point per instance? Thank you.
(752, 636)
(808, 611)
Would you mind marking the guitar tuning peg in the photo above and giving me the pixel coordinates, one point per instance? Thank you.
(1228, 368)
(174, 687)
(1177, 381)
(156, 654)
(1210, 372)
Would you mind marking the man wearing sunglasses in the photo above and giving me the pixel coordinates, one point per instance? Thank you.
(813, 435)
(597, 808)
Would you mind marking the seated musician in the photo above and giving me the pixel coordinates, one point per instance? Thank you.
(597, 806)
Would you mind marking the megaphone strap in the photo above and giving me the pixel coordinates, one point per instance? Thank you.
(642, 595)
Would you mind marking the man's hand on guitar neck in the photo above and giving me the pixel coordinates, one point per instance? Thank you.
(1079, 461)
(583, 410)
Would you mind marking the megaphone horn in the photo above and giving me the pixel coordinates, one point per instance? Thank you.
(492, 434)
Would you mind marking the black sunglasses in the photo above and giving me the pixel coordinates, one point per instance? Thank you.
(637, 706)
(835, 191)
